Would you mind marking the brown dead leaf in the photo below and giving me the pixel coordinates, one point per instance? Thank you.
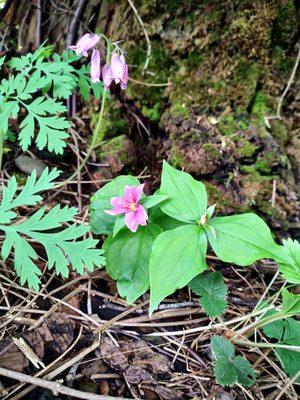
(11, 357)
(140, 365)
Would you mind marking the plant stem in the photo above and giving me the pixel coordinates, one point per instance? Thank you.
(248, 343)
(96, 133)
(1, 148)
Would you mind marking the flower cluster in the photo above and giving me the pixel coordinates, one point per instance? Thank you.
(116, 70)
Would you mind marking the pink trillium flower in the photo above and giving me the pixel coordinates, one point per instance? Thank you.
(95, 66)
(85, 43)
(135, 213)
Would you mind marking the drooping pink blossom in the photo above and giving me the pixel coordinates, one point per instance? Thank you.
(119, 69)
(85, 43)
(95, 66)
(128, 204)
(107, 76)
(116, 71)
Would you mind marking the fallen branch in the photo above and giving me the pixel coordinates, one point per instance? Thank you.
(55, 387)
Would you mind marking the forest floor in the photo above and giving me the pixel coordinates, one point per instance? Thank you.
(77, 336)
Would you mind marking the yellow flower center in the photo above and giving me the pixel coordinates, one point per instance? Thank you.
(133, 207)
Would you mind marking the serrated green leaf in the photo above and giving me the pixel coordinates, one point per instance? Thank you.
(127, 260)
(291, 270)
(221, 347)
(229, 369)
(177, 257)
(187, 197)
(212, 290)
(243, 239)
(245, 372)
(225, 372)
(101, 222)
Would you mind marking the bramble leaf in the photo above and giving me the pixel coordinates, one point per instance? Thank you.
(178, 255)
(225, 372)
(287, 332)
(221, 347)
(229, 369)
(212, 290)
(245, 372)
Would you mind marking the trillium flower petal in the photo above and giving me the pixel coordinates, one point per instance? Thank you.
(133, 193)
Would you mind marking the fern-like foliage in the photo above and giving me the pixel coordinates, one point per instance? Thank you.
(45, 228)
(36, 87)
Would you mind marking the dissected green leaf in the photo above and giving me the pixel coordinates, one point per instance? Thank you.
(212, 290)
(243, 239)
(101, 222)
(127, 260)
(287, 332)
(291, 271)
(187, 197)
(178, 255)
(46, 229)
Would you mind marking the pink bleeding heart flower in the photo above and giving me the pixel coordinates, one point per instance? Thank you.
(85, 43)
(119, 69)
(95, 66)
(107, 76)
(135, 213)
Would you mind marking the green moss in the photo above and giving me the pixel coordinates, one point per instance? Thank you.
(246, 149)
(279, 131)
(266, 162)
(119, 146)
(212, 150)
(160, 66)
(113, 122)
(285, 25)
(177, 158)
(179, 110)
(230, 124)
(259, 106)
(152, 113)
